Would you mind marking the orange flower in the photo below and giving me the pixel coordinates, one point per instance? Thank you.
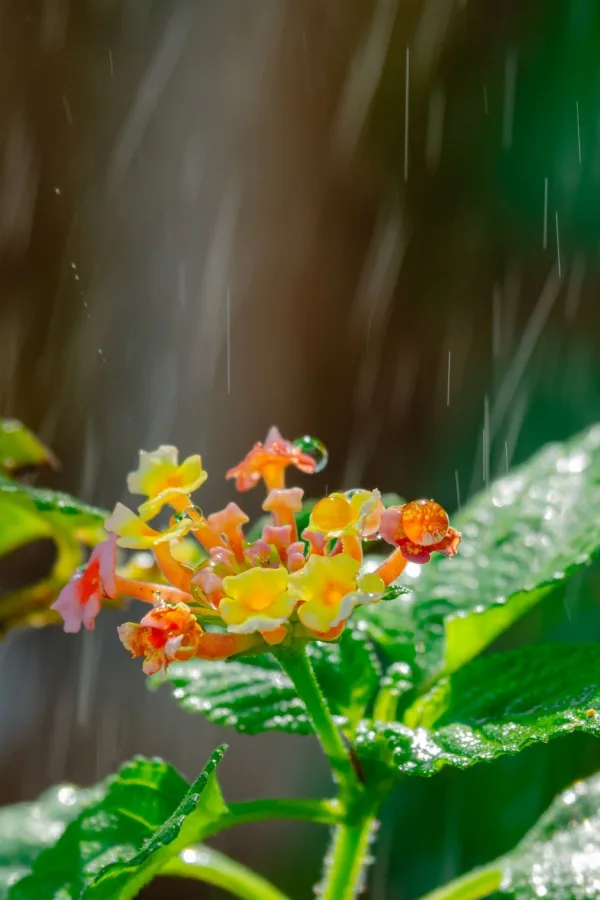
(419, 528)
(165, 634)
(269, 462)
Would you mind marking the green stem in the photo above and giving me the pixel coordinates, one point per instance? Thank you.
(386, 705)
(473, 886)
(347, 860)
(327, 812)
(212, 867)
(297, 667)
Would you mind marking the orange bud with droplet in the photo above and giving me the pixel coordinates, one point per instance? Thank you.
(425, 522)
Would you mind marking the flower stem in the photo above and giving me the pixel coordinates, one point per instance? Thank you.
(347, 860)
(297, 667)
(212, 867)
(150, 593)
(472, 886)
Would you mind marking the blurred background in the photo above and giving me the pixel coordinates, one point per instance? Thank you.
(371, 220)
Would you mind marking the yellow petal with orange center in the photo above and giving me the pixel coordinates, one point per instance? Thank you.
(256, 600)
(322, 587)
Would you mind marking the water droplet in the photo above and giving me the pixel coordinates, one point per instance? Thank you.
(67, 796)
(314, 448)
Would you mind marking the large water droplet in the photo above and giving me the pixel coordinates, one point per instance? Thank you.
(314, 448)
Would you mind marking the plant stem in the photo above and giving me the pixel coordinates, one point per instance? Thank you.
(386, 705)
(296, 665)
(326, 812)
(212, 867)
(347, 860)
(472, 886)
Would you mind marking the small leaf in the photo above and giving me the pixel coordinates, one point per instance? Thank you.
(521, 537)
(255, 696)
(559, 859)
(28, 828)
(20, 448)
(116, 845)
(496, 705)
(393, 591)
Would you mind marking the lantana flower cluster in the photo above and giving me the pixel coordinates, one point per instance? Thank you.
(246, 596)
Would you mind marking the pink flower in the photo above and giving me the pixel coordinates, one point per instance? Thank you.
(80, 600)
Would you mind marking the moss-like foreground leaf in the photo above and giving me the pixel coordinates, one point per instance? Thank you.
(525, 534)
(144, 816)
(28, 828)
(493, 706)
(559, 859)
(257, 696)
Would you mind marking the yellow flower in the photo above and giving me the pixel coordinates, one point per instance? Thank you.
(329, 587)
(160, 478)
(135, 534)
(355, 512)
(256, 600)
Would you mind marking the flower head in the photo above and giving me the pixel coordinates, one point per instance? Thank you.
(256, 600)
(80, 600)
(269, 462)
(160, 478)
(253, 593)
(329, 587)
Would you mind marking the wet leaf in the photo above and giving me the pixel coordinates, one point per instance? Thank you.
(522, 537)
(257, 696)
(559, 859)
(28, 828)
(55, 506)
(20, 448)
(493, 706)
(146, 815)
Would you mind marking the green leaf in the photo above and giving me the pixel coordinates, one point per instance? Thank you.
(522, 537)
(20, 448)
(19, 526)
(559, 859)
(55, 506)
(255, 695)
(493, 706)
(28, 828)
(118, 843)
